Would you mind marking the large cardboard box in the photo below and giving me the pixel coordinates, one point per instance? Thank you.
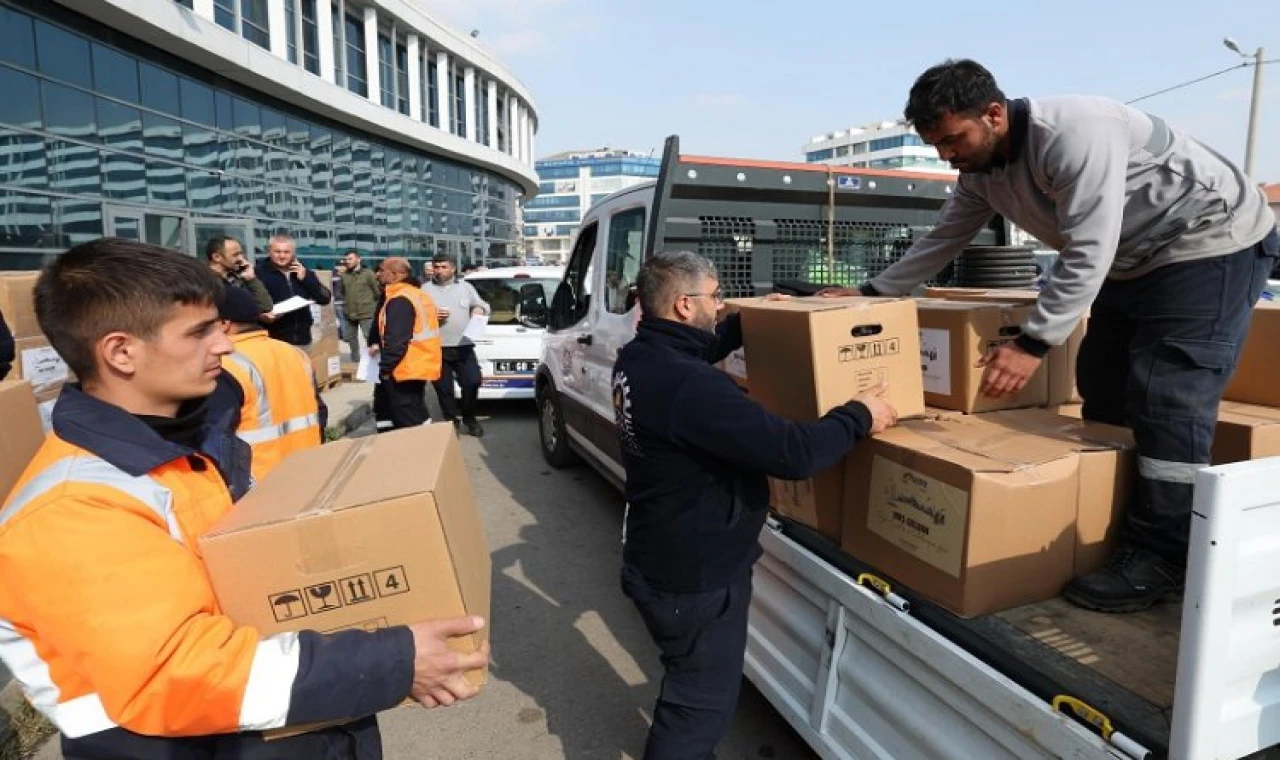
(346, 536)
(1060, 362)
(17, 303)
(1257, 376)
(326, 358)
(735, 364)
(1244, 432)
(1107, 475)
(806, 356)
(980, 514)
(954, 335)
(23, 433)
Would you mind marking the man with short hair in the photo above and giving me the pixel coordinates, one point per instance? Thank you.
(110, 622)
(361, 292)
(1163, 241)
(407, 341)
(226, 258)
(285, 277)
(280, 410)
(697, 452)
(456, 301)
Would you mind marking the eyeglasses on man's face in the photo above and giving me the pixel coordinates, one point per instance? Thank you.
(716, 295)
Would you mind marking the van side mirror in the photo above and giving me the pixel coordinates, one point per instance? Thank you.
(532, 309)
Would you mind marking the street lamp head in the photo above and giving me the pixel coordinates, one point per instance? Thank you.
(1231, 45)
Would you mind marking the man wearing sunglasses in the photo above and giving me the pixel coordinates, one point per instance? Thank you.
(697, 453)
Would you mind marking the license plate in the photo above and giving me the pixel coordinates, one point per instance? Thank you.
(515, 367)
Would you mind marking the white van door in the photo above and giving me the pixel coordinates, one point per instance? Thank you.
(569, 333)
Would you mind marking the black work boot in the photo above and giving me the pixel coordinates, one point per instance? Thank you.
(473, 427)
(1131, 581)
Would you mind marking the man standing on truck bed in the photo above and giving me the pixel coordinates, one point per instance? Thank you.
(697, 452)
(1169, 242)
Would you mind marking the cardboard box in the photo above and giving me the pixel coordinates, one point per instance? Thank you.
(17, 303)
(954, 335)
(806, 356)
(1256, 379)
(40, 365)
(1060, 361)
(23, 433)
(346, 536)
(1107, 476)
(1244, 432)
(983, 514)
(735, 364)
(326, 358)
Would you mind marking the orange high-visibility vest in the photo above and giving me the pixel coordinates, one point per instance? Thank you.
(95, 648)
(280, 414)
(424, 358)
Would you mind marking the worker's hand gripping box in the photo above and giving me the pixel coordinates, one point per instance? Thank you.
(806, 356)
(359, 533)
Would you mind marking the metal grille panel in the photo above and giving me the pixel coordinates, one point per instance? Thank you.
(728, 241)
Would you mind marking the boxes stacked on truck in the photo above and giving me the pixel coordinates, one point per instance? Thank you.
(36, 361)
(806, 356)
(325, 349)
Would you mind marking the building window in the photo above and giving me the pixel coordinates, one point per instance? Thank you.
(458, 104)
(357, 74)
(224, 13)
(818, 155)
(433, 90)
(186, 3)
(402, 79)
(386, 74)
(339, 59)
(310, 37)
(482, 113)
(291, 29)
(500, 113)
(253, 22)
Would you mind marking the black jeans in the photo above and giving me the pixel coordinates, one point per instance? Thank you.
(1157, 355)
(703, 640)
(459, 362)
(406, 402)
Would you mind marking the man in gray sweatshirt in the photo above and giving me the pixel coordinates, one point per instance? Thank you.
(456, 302)
(1166, 240)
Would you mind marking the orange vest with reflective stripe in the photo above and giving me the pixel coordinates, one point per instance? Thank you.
(280, 414)
(423, 359)
(107, 617)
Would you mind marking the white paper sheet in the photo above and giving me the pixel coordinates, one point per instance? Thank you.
(290, 304)
(476, 327)
(368, 368)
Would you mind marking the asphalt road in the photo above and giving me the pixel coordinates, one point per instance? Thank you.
(574, 673)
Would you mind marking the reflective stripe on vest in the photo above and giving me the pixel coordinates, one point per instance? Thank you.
(90, 470)
(76, 717)
(265, 431)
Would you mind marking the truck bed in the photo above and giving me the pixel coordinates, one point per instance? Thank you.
(1122, 665)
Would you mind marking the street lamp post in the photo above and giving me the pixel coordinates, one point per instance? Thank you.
(1254, 104)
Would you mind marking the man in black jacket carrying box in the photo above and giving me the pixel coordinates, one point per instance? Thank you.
(697, 453)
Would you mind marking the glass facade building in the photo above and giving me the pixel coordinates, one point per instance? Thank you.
(101, 134)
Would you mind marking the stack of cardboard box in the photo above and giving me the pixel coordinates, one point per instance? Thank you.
(1249, 417)
(325, 349)
(36, 361)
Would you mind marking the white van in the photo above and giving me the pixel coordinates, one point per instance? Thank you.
(508, 353)
(865, 670)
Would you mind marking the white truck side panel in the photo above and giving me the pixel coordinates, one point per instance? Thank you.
(1227, 698)
(861, 680)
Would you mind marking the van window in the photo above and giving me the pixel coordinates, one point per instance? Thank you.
(573, 296)
(626, 246)
(503, 295)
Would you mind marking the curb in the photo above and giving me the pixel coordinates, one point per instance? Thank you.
(358, 416)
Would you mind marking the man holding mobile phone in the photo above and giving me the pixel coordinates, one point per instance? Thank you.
(286, 277)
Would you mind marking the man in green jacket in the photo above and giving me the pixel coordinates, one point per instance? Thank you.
(361, 291)
(226, 259)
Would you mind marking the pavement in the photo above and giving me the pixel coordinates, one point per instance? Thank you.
(574, 673)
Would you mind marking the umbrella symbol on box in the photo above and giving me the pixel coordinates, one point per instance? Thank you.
(282, 606)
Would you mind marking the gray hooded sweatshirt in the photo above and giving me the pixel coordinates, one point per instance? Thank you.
(1116, 191)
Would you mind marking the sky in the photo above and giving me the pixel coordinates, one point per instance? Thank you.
(759, 78)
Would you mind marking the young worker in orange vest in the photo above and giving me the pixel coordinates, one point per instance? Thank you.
(280, 407)
(408, 341)
(107, 617)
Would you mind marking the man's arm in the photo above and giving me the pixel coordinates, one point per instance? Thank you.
(728, 337)
(1086, 166)
(960, 219)
(395, 341)
(260, 294)
(713, 415)
(149, 638)
(474, 301)
(319, 293)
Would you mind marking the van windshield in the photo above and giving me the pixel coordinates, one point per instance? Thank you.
(503, 295)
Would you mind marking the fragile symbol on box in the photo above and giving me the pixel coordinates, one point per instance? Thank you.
(287, 605)
(869, 349)
(322, 598)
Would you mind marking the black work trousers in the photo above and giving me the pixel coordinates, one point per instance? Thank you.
(458, 363)
(405, 402)
(1156, 357)
(702, 638)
